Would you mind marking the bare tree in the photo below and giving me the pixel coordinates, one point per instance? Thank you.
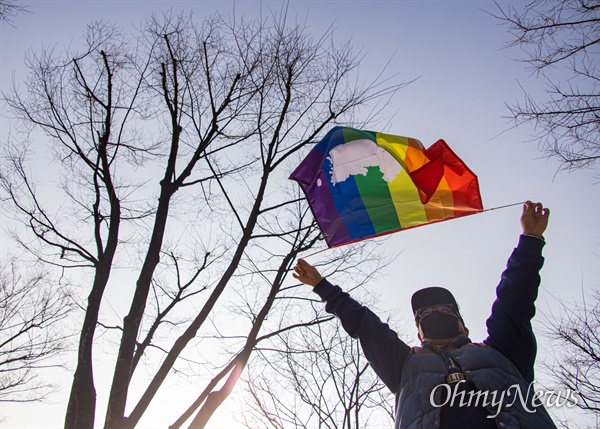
(174, 146)
(31, 309)
(283, 312)
(561, 39)
(10, 8)
(316, 377)
(575, 363)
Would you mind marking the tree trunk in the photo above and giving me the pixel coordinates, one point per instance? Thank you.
(81, 408)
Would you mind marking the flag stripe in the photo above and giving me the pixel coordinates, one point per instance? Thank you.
(349, 205)
(378, 202)
(324, 210)
(441, 204)
(407, 203)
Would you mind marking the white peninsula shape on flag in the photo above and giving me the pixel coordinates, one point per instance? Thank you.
(354, 157)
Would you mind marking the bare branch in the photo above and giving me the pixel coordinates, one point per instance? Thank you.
(556, 36)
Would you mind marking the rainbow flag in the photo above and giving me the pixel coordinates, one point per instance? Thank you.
(363, 184)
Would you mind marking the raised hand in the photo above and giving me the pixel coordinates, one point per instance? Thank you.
(306, 273)
(534, 219)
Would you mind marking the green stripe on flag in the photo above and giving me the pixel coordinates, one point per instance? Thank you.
(352, 134)
(376, 197)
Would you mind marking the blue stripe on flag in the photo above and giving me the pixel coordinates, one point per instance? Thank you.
(349, 205)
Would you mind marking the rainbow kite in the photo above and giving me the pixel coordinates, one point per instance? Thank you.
(362, 184)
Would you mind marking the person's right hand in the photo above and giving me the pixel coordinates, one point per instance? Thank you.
(306, 273)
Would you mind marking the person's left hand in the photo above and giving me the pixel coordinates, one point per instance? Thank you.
(534, 219)
(306, 273)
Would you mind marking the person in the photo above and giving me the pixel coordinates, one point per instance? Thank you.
(450, 382)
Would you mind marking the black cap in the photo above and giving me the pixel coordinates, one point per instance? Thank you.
(432, 296)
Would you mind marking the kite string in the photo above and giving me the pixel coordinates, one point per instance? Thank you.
(486, 210)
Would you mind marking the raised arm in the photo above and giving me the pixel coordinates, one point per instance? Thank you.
(383, 349)
(509, 326)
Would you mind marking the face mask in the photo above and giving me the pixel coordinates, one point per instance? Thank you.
(439, 326)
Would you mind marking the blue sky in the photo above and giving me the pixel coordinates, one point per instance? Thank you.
(465, 77)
